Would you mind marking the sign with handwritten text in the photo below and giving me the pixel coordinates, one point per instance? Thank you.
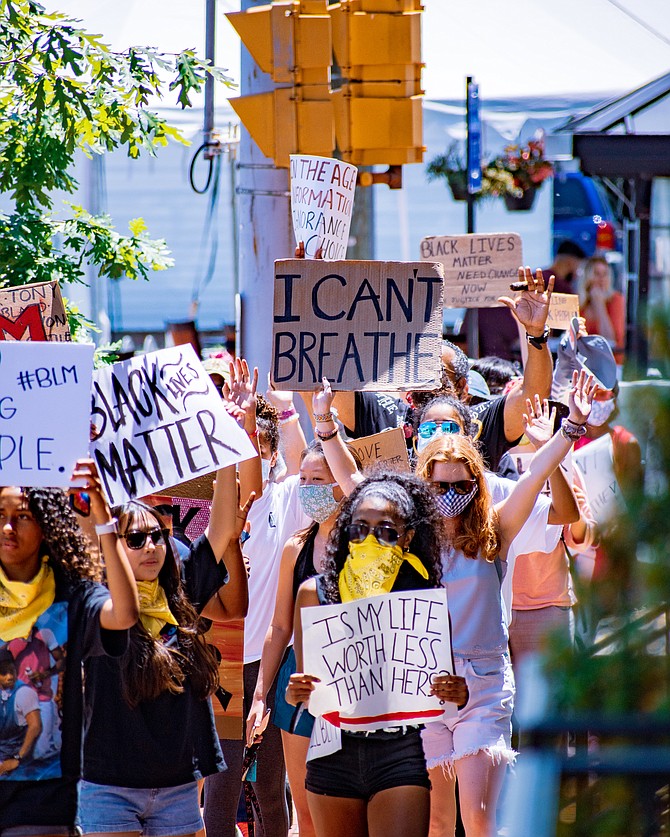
(364, 325)
(33, 312)
(375, 658)
(387, 449)
(45, 393)
(478, 268)
(159, 421)
(322, 202)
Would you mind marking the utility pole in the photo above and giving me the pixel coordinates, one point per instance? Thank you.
(473, 164)
(265, 230)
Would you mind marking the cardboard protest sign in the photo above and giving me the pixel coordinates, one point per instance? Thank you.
(375, 658)
(33, 312)
(159, 421)
(562, 309)
(478, 268)
(362, 324)
(322, 202)
(388, 448)
(595, 464)
(45, 396)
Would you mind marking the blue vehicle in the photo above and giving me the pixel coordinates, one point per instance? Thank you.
(584, 214)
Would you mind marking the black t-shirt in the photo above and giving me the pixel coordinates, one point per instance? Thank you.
(376, 411)
(161, 743)
(492, 441)
(63, 637)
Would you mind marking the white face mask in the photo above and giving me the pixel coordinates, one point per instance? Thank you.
(600, 412)
(266, 467)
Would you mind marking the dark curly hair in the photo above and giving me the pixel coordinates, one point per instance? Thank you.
(267, 422)
(415, 504)
(448, 400)
(62, 538)
(149, 668)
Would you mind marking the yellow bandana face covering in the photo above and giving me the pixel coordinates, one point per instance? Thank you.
(154, 609)
(22, 603)
(371, 569)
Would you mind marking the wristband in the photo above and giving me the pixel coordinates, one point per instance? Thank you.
(539, 342)
(325, 437)
(572, 431)
(293, 417)
(252, 434)
(290, 411)
(323, 416)
(109, 528)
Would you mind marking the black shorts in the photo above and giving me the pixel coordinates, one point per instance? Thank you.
(48, 806)
(368, 764)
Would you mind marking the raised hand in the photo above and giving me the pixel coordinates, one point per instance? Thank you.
(242, 511)
(580, 397)
(85, 477)
(241, 389)
(281, 399)
(322, 399)
(539, 421)
(531, 308)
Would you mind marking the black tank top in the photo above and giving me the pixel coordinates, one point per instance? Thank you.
(304, 563)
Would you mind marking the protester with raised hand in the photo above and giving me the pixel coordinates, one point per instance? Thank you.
(50, 582)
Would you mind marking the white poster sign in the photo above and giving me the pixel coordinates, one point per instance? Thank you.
(45, 391)
(375, 659)
(159, 421)
(322, 201)
(325, 739)
(595, 465)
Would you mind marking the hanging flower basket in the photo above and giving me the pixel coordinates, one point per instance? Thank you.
(458, 183)
(520, 203)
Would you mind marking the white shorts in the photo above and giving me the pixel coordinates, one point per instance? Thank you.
(484, 723)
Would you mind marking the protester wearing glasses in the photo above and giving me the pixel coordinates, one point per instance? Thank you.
(149, 731)
(475, 746)
(386, 538)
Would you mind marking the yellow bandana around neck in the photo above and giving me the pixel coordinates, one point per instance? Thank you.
(154, 609)
(372, 568)
(22, 603)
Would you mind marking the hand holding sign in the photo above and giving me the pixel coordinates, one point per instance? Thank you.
(450, 688)
(531, 308)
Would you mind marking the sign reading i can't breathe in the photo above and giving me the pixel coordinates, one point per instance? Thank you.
(159, 421)
(375, 658)
(361, 324)
(478, 268)
(45, 392)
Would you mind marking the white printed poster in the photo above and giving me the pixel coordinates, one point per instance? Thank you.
(595, 465)
(158, 421)
(322, 202)
(375, 659)
(45, 392)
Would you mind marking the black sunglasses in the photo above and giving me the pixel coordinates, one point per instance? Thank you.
(137, 539)
(386, 535)
(460, 486)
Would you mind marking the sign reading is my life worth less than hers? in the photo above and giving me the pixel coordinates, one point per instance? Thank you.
(159, 421)
(478, 268)
(361, 324)
(375, 658)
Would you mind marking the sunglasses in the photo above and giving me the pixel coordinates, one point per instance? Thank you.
(428, 429)
(137, 540)
(386, 535)
(460, 486)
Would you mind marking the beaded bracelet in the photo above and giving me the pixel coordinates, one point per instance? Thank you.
(323, 416)
(326, 437)
(290, 411)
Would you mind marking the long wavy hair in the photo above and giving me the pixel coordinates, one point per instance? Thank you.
(415, 505)
(149, 668)
(62, 539)
(478, 533)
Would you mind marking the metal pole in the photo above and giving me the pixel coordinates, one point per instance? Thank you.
(265, 231)
(473, 313)
(210, 55)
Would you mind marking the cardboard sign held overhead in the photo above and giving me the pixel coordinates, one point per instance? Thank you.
(388, 449)
(562, 308)
(364, 325)
(322, 202)
(160, 422)
(45, 396)
(478, 268)
(33, 312)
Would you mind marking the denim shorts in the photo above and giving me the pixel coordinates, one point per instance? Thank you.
(154, 812)
(368, 764)
(36, 807)
(484, 723)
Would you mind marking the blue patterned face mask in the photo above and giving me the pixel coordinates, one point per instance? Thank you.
(451, 504)
(318, 501)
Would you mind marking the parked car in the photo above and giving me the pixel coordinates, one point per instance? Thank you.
(583, 214)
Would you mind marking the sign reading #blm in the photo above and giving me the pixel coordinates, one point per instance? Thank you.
(158, 421)
(478, 268)
(364, 325)
(45, 393)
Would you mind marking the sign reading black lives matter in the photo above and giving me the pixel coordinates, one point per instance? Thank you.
(478, 268)
(159, 421)
(365, 325)
(375, 659)
(45, 392)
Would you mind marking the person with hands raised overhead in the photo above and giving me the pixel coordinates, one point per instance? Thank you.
(49, 584)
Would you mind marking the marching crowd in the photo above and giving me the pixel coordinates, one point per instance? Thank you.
(106, 676)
